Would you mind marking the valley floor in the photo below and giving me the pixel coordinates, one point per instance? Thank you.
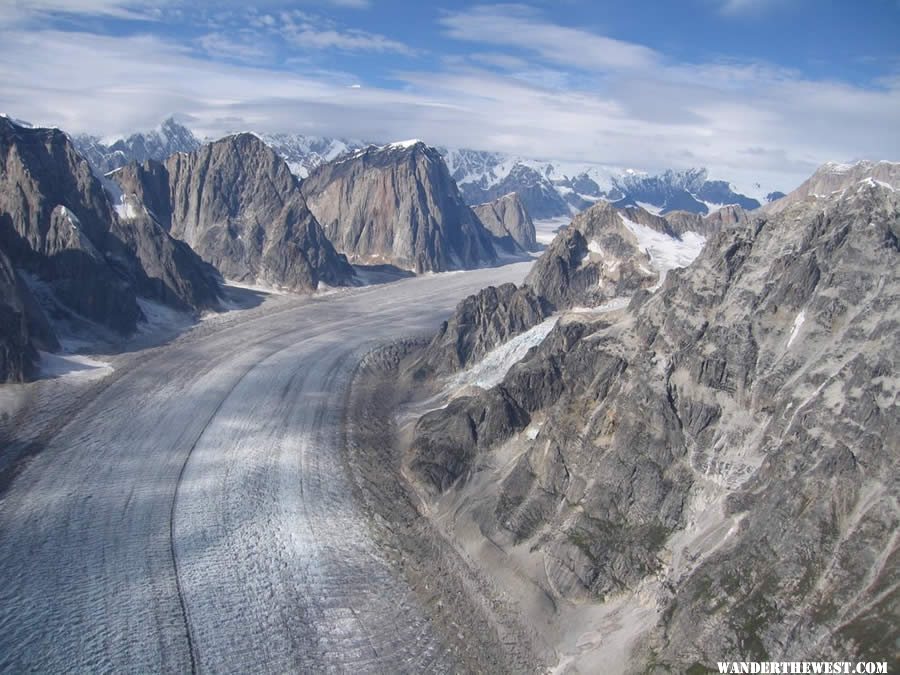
(191, 510)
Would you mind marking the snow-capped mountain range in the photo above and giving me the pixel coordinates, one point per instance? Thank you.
(554, 188)
(547, 188)
(165, 140)
(305, 153)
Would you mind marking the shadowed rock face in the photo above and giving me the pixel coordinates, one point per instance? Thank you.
(398, 205)
(170, 271)
(18, 356)
(59, 228)
(724, 449)
(236, 203)
(509, 222)
(55, 223)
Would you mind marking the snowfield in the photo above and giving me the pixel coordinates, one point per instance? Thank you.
(546, 229)
(193, 513)
(666, 253)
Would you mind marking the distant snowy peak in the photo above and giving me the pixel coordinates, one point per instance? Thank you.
(167, 139)
(547, 188)
(403, 145)
(551, 189)
(18, 122)
(689, 190)
(305, 153)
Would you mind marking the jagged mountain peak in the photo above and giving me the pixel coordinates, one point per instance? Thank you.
(304, 153)
(691, 180)
(166, 139)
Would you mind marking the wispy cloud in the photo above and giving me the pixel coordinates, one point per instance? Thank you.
(627, 105)
(313, 32)
(734, 7)
(521, 27)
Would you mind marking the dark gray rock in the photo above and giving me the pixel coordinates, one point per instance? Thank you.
(55, 223)
(169, 269)
(447, 441)
(18, 356)
(397, 204)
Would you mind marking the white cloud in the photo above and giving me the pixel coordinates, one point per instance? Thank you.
(520, 26)
(15, 11)
(744, 6)
(313, 32)
(745, 122)
(311, 37)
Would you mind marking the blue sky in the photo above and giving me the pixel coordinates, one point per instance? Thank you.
(760, 90)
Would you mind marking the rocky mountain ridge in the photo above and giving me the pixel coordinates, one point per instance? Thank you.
(709, 472)
(832, 177)
(604, 255)
(548, 188)
(551, 188)
(236, 203)
(70, 250)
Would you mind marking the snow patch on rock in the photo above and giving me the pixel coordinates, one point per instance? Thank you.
(666, 253)
(795, 329)
(491, 370)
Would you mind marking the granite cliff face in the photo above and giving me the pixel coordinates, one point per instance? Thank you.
(712, 470)
(236, 203)
(509, 222)
(397, 204)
